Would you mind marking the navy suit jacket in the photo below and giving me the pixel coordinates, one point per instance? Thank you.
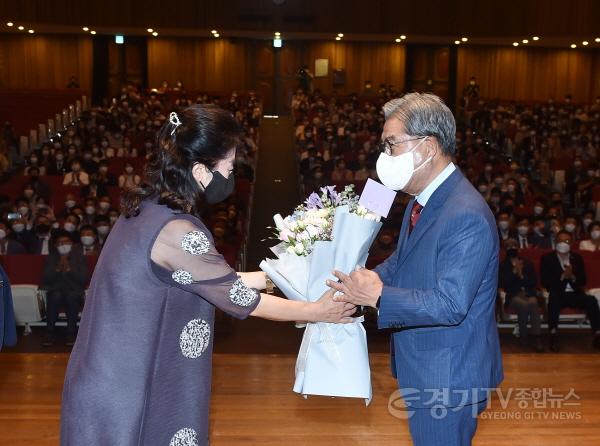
(439, 296)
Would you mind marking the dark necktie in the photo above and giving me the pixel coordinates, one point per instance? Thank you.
(415, 214)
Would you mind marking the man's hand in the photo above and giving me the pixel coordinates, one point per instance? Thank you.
(361, 287)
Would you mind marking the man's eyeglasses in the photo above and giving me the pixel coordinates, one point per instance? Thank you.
(387, 145)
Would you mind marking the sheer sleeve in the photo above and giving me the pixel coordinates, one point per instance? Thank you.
(187, 251)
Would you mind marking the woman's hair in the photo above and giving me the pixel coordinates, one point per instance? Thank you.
(202, 134)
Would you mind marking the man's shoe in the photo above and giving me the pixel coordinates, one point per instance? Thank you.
(48, 340)
(538, 345)
(554, 343)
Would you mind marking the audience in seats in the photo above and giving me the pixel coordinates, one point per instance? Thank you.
(563, 275)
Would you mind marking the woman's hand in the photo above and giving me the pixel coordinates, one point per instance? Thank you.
(328, 310)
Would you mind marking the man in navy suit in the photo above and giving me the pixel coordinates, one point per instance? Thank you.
(437, 291)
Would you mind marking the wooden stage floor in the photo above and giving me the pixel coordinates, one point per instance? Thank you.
(253, 403)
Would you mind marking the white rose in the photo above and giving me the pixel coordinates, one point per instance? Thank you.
(290, 250)
(312, 230)
(299, 249)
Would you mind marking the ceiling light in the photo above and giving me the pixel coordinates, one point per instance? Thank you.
(214, 31)
(340, 34)
(30, 31)
(403, 37)
(536, 38)
(338, 38)
(277, 33)
(573, 46)
(154, 33)
(9, 23)
(93, 32)
(457, 42)
(584, 43)
(398, 40)
(21, 28)
(85, 28)
(464, 39)
(597, 39)
(150, 30)
(525, 41)
(217, 35)
(515, 43)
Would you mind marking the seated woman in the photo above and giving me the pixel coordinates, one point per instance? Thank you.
(140, 372)
(593, 244)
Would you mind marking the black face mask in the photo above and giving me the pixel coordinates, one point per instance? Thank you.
(512, 253)
(219, 188)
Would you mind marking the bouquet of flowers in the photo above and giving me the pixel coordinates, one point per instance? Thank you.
(329, 231)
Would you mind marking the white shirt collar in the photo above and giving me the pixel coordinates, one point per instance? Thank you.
(426, 194)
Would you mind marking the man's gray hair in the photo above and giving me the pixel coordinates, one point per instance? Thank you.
(424, 114)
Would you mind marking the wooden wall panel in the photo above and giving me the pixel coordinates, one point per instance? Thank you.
(201, 64)
(377, 62)
(530, 73)
(44, 61)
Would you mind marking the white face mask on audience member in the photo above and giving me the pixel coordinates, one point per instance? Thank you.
(63, 250)
(563, 248)
(87, 240)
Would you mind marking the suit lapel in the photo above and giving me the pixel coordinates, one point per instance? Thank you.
(429, 214)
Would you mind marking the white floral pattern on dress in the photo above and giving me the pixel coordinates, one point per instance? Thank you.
(195, 243)
(182, 276)
(194, 338)
(184, 437)
(242, 295)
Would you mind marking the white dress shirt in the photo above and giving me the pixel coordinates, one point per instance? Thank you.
(424, 196)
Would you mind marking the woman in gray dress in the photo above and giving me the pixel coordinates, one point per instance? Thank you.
(140, 371)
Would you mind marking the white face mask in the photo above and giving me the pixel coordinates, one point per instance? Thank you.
(2, 234)
(103, 230)
(90, 210)
(87, 240)
(64, 249)
(70, 203)
(18, 227)
(586, 222)
(569, 227)
(537, 210)
(69, 227)
(396, 171)
(523, 230)
(503, 224)
(595, 234)
(563, 247)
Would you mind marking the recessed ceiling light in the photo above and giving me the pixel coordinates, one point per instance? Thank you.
(340, 34)
(584, 43)
(21, 28)
(214, 31)
(525, 41)
(457, 42)
(93, 32)
(85, 28)
(217, 35)
(338, 38)
(398, 40)
(150, 30)
(535, 38)
(9, 23)
(515, 43)
(30, 31)
(277, 33)
(597, 39)
(154, 33)
(573, 46)
(464, 39)
(403, 37)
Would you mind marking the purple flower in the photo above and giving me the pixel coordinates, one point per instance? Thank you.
(330, 191)
(314, 202)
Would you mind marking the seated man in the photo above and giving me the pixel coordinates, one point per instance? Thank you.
(64, 278)
(563, 275)
(517, 278)
(9, 246)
